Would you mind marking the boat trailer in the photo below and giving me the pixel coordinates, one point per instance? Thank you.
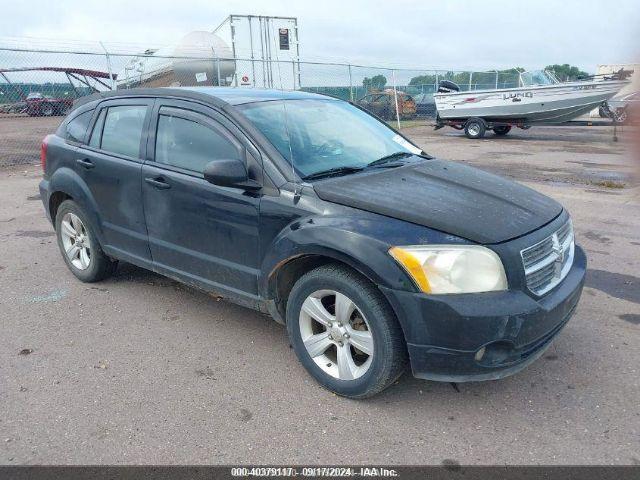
(476, 127)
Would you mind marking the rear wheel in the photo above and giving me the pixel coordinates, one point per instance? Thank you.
(474, 128)
(344, 333)
(501, 131)
(79, 245)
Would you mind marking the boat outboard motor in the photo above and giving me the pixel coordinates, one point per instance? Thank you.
(445, 86)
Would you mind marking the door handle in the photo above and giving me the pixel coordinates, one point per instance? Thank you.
(85, 163)
(159, 183)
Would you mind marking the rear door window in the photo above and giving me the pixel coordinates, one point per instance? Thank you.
(189, 140)
(119, 130)
(96, 134)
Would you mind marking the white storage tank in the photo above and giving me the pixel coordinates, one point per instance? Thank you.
(199, 58)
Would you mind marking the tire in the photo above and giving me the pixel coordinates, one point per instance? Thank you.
(47, 110)
(621, 116)
(92, 266)
(502, 131)
(603, 111)
(474, 128)
(370, 323)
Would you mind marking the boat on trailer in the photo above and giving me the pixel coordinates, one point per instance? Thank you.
(539, 99)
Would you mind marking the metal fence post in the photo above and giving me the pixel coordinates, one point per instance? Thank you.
(435, 87)
(470, 78)
(497, 75)
(218, 69)
(106, 54)
(293, 71)
(395, 96)
(350, 84)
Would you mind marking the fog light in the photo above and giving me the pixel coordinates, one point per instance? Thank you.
(480, 354)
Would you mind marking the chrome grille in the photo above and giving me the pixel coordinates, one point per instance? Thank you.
(547, 262)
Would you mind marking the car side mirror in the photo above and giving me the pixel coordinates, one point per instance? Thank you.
(229, 173)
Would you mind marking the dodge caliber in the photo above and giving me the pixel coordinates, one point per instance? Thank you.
(376, 256)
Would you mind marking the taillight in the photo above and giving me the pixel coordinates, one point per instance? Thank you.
(43, 152)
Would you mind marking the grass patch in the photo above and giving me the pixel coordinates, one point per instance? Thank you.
(410, 123)
(608, 184)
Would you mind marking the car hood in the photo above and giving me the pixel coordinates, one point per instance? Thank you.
(447, 196)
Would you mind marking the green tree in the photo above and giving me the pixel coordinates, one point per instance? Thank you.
(477, 79)
(423, 80)
(376, 82)
(566, 72)
(512, 70)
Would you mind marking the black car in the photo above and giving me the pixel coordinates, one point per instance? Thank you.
(374, 254)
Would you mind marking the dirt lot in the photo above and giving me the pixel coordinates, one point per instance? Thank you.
(21, 136)
(140, 369)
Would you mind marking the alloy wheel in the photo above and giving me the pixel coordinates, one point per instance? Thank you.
(336, 334)
(75, 240)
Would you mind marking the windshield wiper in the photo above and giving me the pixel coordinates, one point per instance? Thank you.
(332, 172)
(389, 158)
(384, 161)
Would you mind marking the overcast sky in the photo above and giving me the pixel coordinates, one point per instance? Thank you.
(480, 35)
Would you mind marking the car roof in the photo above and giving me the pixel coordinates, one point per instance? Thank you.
(238, 96)
(219, 96)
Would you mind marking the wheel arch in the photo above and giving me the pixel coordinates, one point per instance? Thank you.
(55, 200)
(283, 277)
(307, 246)
(65, 184)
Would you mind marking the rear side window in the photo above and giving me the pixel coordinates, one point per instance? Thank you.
(77, 127)
(119, 130)
(190, 145)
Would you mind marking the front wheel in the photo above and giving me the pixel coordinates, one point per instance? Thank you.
(47, 110)
(603, 111)
(344, 333)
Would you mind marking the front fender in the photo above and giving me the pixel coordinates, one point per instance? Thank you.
(69, 182)
(338, 239)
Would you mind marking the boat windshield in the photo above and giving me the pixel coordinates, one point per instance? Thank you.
(538, 77)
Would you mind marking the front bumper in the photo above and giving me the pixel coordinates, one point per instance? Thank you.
(446, 333)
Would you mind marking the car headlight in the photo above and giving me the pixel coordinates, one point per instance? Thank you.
(440, 269)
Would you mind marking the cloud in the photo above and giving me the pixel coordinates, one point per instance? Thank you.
(450, 34)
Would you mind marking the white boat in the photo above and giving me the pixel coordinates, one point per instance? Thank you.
(540, 98)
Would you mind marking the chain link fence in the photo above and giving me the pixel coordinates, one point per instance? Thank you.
(38, 85)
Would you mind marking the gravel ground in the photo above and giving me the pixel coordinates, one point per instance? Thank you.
(21, 136)
(140, 369)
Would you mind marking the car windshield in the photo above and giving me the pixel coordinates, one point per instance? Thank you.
(320, 135)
